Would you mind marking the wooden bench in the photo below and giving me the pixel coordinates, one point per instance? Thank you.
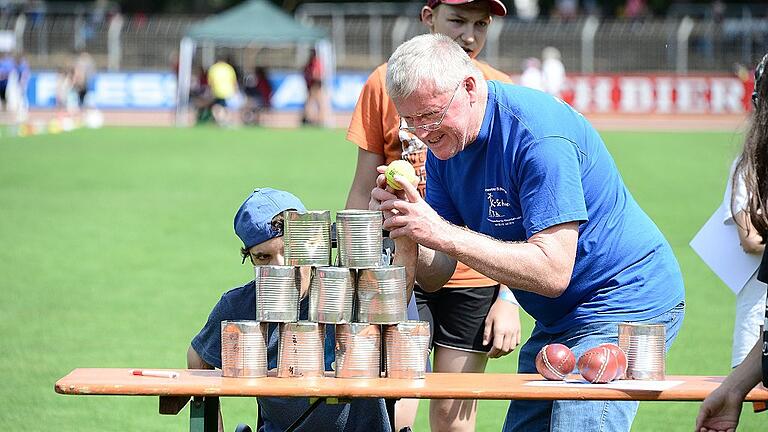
(206, 386)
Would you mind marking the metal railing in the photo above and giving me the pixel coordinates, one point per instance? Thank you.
(365, 34)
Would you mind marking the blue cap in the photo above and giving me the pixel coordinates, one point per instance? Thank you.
(253, 221)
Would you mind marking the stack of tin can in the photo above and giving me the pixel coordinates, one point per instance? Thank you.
(363, 297)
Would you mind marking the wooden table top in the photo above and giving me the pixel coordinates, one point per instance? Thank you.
(109, 381)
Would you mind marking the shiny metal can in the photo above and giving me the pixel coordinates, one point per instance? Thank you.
(277, 293)
(307, 238)
(331, 295)
(358, 351)
(380, 295)
(300, 351)
(644, 346)
(243, 349)
(407, 347)
(359, 238)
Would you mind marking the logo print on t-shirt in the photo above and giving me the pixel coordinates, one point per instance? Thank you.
(499, 210)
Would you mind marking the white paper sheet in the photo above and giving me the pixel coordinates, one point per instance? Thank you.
(718, 246)
(618, 385)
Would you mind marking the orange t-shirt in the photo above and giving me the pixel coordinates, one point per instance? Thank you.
(374, 127)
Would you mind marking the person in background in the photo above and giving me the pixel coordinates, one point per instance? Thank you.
(552, 71)
(750, 300)
(22, 75)
(258, 94)
(721, 410)
(259, 225)
(200, 94)
(476, 318)
(222, 80)
(7, 66)
(531, 76)
(83, 70)
(66, 99)
(315, 107)
(522, 188)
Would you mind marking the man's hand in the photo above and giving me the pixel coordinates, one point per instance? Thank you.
(407, 214)
(502, 327)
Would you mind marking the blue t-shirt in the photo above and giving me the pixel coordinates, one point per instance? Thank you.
(361, 415)
(537, 163)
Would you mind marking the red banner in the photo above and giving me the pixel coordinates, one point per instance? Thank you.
(658, 94)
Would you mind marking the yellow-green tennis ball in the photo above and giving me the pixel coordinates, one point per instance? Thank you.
(403, 168)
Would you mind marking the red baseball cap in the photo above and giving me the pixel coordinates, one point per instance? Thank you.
(496, 6)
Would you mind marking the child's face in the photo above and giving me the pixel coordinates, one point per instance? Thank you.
(467, 24)
(268, 253)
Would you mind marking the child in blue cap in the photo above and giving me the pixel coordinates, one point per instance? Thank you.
(259, 224)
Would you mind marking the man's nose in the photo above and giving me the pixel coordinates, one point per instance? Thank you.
(278, 259)
(421, 134)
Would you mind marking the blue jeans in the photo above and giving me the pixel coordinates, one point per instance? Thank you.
(581, 416)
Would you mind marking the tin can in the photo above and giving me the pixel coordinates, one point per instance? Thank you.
(407, 347)
(243, 349)
(307, 238)
(644, 346)
(359, 238)
(358, 351)
(277, 293)
(331, 295)
(380, 295)
(300, 351)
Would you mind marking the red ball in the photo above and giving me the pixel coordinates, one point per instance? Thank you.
(598, 365)
(555, 361)
(621, 359)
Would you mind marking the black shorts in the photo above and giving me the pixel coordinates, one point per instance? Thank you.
(456, 316)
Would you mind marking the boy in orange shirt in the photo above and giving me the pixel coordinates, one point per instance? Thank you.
(478, 318)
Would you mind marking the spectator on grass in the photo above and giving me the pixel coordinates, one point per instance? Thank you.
(22, 77)
(552, 71)
(522, 188)
(200, 94)
(316, 105)
(476, 318)
(722, 408)
(222, 79)
(7, 67)
(83, 70)
(531, 76)
(258, 95)
(259, 225)
(66, 99)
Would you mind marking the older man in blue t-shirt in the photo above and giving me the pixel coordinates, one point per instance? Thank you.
(522, 188)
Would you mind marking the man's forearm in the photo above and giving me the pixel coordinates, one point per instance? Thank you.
(542, 265)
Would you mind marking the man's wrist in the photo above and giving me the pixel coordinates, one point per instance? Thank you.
(506, 295)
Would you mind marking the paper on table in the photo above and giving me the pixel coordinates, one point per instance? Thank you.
(718, 246)
(618, 385)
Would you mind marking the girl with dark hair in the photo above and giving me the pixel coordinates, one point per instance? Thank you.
(722, 408)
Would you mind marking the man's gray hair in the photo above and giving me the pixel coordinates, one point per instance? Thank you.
(428, 58)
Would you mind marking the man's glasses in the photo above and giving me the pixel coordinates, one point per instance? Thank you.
(431, 127)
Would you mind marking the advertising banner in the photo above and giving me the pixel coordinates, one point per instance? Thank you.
(597, 93)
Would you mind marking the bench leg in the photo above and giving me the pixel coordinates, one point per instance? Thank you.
(204, 414)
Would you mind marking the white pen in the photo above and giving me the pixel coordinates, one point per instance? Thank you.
(155, 373)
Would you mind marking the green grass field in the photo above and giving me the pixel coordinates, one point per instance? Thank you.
(116, 244)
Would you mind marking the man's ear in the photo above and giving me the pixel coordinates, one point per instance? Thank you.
(428, 17)
(470, 85)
